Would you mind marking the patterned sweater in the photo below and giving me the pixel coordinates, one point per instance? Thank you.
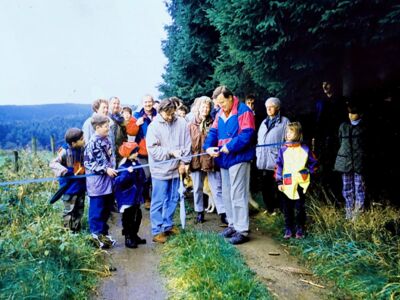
(98, 157)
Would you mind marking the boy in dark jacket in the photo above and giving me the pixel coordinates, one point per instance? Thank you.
(128, 188)
(69, 162)
(350, 161)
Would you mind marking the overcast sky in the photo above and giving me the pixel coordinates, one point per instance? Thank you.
(75, 51)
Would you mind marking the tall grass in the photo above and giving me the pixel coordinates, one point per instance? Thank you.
(201, 265)
(362, 257)
(39, 259)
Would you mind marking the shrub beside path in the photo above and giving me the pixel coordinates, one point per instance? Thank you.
(137, 276)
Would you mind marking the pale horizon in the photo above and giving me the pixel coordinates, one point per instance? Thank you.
(72, 51)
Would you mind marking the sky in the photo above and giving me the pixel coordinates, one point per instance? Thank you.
(76, 51)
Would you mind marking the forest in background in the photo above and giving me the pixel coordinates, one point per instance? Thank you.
(18, 124)
(282, 48)
(286, 49)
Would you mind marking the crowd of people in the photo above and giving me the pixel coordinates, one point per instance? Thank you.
(134, 158)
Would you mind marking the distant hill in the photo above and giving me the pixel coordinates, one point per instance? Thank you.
(42, 112)
(18, 124)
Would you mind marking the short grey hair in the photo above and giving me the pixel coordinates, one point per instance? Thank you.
(273, 101)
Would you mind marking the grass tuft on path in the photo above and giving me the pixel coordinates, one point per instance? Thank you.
(200, 265)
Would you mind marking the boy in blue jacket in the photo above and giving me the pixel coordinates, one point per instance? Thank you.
(128, 191)
(69, 162)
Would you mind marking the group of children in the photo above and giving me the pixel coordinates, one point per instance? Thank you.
(103, 183)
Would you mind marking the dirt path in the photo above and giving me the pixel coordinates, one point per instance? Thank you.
(137, 276)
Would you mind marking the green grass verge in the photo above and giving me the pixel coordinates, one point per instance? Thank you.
(199, 265)
(361, 257)
(39, 259)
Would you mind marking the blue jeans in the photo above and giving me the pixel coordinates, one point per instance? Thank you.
(99, 212)
(163, 204)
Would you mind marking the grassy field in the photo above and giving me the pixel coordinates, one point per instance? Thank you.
(362, 256)
(39, 259)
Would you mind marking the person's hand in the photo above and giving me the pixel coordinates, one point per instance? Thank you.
(213, 151)
(111, 172)
(139, 121)
(224, 149)
(182, 169)
(130, 169)
(176, 153)
(280, 187)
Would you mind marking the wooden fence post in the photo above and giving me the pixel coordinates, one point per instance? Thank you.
(52, 144)
(34, 145)
(16, 168)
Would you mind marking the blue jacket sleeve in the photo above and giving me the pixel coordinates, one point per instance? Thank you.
(241, 141)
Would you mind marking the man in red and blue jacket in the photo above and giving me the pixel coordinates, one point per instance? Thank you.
(231, 141)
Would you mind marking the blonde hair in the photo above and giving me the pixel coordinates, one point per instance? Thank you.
(198, 102)
(296, 128)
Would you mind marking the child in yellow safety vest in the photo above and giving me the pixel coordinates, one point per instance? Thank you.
(294, 165)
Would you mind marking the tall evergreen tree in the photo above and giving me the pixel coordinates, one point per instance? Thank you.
(191, 48)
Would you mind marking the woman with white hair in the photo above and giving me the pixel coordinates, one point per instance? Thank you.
(272, 131)
(202, 166)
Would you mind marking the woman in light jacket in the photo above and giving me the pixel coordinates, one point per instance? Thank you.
(271, 134)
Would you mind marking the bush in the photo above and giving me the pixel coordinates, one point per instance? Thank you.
(38, 257)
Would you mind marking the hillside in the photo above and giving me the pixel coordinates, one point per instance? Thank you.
(18, 124)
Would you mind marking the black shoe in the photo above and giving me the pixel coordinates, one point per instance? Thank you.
(200, 217)
(139, 240)
(130, 242)
(224, 220)
(238, 238)
(228, 232)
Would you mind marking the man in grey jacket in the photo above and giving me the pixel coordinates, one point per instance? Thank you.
(167, 138)
(272, 131)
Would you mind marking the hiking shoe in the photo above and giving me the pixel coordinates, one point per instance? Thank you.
(224, 220)
(288, 234)
(238, 238)
(103, 241)
(299, 234)
(173, 231)
(130, 242)
(139, 240)
(199, 218)
(228, 232)
(147, 204)
(160, 238)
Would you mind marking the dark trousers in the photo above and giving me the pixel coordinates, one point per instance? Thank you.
(99, 212)
(131, 219)
(269, 190)
(289, 207)
(74, 206)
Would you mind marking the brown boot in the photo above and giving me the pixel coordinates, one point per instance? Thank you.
(160, 238)
(147, 204)
(173, 231)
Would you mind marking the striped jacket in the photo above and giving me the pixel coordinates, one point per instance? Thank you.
(237, 132)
